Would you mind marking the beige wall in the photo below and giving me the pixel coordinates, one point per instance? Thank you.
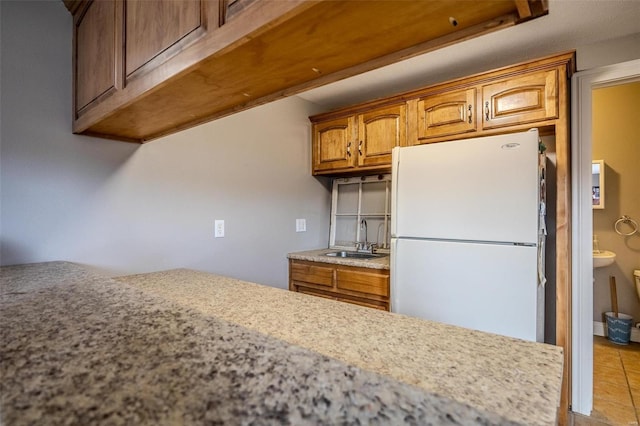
(616, 140)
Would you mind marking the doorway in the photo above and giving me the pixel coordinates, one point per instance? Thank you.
(583, 84)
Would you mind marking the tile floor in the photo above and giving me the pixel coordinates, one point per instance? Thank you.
(616, 385)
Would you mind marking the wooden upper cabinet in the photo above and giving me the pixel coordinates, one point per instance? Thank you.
(148, 68)
(334, 144)
(360, 142)
(521, 99)
(95, 59)
(447, 114)
(158, 29)
(503, 100)
(378, 132)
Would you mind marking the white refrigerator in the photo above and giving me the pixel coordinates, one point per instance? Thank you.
(467, 234)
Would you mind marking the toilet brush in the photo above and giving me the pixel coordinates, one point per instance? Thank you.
(614, 295)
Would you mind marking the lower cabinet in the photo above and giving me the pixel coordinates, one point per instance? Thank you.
(361, 286)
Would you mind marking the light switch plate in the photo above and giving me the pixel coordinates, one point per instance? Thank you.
(219, 224)
(301, 225)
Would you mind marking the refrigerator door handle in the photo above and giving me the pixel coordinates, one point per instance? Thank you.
(395, 167)
(392, 266)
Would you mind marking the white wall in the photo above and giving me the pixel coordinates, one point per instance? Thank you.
(125, 208)
(608, 52)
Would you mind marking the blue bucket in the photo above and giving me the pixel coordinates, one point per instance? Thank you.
(619, 329)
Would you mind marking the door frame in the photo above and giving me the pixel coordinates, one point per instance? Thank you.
(583, 84)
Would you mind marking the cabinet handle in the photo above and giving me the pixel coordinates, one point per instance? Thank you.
(360, 148)
(349, 149)
(470, 114)
(486, 111)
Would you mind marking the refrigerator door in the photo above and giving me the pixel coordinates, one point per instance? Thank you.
(482, 189)
(487, 287)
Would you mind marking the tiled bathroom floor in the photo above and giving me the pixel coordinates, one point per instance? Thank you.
(616, 385)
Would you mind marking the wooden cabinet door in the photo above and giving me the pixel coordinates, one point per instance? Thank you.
(334, 144)
(158, 28)
(519, 100)
(95, 59)
(378, 132)
(364, 282)
(318, 275)
(447, 114)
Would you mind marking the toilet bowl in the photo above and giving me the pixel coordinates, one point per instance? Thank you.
(636, 275)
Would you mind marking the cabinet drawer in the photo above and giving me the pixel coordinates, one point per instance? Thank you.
(532, 97)
(312, 292)
(312, 274)
(382, 307)
(363, 282)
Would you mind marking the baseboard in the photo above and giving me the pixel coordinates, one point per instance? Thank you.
(598, 330)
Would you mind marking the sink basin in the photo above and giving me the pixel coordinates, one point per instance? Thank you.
(603, 258)
(354, 255)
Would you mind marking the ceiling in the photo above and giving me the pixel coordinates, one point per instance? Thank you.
(569, 24)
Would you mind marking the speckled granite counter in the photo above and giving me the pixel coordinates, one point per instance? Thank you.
(185, 347)
(320, 256)
(515, 379)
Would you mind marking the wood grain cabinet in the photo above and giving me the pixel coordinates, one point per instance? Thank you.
(358, 142)
(157, 29)
(521, 99)
(360, 286)
(447, 114)
(116, 42)
(379, 131)
(501, 104)
(333, 144)
(95, 36)
(359, 139)
(148, 68)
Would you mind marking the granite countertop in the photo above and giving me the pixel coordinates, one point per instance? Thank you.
(516, 379)
(187, 347)
(320, 256)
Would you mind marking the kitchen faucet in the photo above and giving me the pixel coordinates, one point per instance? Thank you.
(365, 247)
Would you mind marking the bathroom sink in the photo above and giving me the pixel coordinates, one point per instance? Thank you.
(603, 258)
(354, 255)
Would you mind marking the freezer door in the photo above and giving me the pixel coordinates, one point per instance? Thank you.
(484, 287)
(481, 189)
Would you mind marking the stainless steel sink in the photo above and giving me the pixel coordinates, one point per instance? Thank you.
(354, 255)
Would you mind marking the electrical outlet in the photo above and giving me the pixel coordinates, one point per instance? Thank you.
(219, 233)
(301, 225)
